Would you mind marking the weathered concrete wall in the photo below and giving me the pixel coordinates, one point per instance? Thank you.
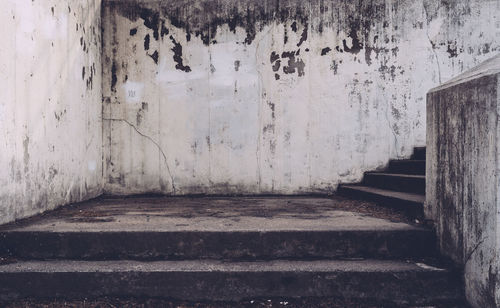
(50, 104)
(223, 96)
(463, 177)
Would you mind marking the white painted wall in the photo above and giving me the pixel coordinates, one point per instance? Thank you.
(50, 111)
(218, 129)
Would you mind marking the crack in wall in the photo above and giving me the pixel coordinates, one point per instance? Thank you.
(433, 45)
(469, 255)
(154, 142)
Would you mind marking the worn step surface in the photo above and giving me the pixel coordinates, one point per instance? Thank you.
(372, 280)
(217, 228)
(397, 182)
(411, 204)
(407, 166)
(224, 249)
(401, 186)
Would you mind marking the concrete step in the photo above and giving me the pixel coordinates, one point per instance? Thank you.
(370, 280)
(398, 182)
(383, 242)
(238, 228)
(411, 204)
(407, 166)
(419, 153)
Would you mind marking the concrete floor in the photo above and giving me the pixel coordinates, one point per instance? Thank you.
(215, 214)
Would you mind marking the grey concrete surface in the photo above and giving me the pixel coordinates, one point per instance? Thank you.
(210, 214)
(373, 281)
(219, 228)
(463, 168)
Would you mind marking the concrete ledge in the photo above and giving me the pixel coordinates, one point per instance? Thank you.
(412, 243)
(462, 186)
(373, 281)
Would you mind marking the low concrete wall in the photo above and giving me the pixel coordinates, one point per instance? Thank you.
(50, 105)
(243, 96)
(463, 177)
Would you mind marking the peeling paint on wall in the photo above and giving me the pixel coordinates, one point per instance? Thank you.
(346, 82)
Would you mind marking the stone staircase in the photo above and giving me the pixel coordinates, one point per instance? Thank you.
(235, 250)
(401, 186)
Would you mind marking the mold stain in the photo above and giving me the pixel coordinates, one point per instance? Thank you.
(325, 51)
(253, 18)
(452, 50)
(294, 64)
(334, 67)
(303, 37)
(177, 49)
(154, 56)
(114, 77)
(147, 40)
(356, 43)
(151, 21)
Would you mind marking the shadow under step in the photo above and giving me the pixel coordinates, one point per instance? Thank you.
(398, 182)
(410, 204)
(389, 241)
(419, 153)
(373, 281)
(407, 166)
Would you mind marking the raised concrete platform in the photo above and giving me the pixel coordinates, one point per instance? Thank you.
(228, 228)
(224, 249)
(169, 214)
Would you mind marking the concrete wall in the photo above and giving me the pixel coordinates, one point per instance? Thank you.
(463, 177)
(50, 105)
(224, 96)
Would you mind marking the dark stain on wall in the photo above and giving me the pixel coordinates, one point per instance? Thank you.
(356, 43)
(147, 40)
(151, 21)
(133, 31)
(368, 55)
(177, 49)
(359, 25)
(303, 37)
(114, 78)
(276, 64)
(335, 67)
(275, 61)
(452, 50)
(294, 64)
(202, 18)
(164, 30)
(274, 56)
(154, 56)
